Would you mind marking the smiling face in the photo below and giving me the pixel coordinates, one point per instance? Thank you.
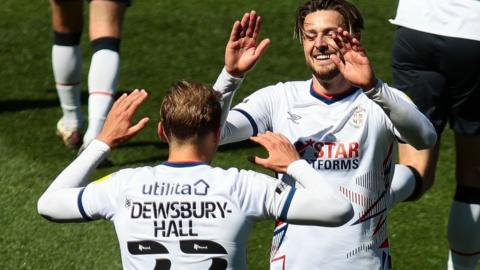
(318, 44)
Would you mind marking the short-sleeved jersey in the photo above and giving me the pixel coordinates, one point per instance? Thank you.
(348, 139)
(184, 215)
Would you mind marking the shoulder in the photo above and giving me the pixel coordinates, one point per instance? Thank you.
(285, 92)
(127, 174)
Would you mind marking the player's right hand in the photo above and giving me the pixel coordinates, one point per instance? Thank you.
(242, 51)
(280, 152)
(118, 126)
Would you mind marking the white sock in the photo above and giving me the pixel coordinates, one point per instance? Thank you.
(102, 84)
(403, 185)
(67, 70)
(464, 236)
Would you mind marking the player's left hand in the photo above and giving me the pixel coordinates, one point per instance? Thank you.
(243, 49)
(118, 126)
(353, 63)
(280, 152)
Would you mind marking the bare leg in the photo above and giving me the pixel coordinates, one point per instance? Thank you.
(106, 18)
(67, 23)
(424, 161)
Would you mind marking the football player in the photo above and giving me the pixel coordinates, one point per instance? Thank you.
(344, 121)
(105, 32)
(435, 60)
(184, 213)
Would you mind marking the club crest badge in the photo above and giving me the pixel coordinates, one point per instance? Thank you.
(358, 117)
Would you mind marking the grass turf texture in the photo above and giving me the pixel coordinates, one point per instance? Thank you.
(165, 41)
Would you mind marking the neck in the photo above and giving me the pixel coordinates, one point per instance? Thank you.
(333, 87)
(188, 152)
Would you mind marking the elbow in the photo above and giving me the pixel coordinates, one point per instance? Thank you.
(42, 206)
(429, 140)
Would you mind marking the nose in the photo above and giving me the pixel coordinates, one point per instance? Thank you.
(321, 41)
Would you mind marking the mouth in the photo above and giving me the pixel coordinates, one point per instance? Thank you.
(322, 57)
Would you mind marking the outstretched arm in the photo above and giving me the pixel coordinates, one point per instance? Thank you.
(59, 201)
(242, 52)
(319, 203)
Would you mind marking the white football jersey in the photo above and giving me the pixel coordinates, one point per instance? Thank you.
(184, 215)
(451, 18)
(349, 140)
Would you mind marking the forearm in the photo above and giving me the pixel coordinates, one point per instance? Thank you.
(226, 85)
(234, 127)
(318, 200)
(412, 125)
(59, 201)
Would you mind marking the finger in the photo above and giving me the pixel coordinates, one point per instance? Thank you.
(139, 98)
(262, 140)
(259, 161)
(261, 47)
(283, 137)
(338, 62)
(128, 100)
(236, 29)
(251, 24)
(244, 23)
(337, 39)
(138, 127)
(258, 26)
(119, 101)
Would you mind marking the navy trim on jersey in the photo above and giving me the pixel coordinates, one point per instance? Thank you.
(250, 119)
(80, 205)
(183, 164)
(334, 99)
(286, 206)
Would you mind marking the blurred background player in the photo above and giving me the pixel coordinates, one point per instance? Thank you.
(343, 121)
(435, 62)
(105, 32)
(183, 213)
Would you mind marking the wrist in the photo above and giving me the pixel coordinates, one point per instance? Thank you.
(370, 85)
(234, 73)
(106, 140)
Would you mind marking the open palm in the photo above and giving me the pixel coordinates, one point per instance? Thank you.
(243, 50)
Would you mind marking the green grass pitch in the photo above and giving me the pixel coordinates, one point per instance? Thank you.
(165, 41)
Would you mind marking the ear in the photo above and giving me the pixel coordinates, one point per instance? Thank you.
(161, 132)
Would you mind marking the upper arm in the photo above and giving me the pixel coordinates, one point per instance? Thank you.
(250, 117)
(96, 200)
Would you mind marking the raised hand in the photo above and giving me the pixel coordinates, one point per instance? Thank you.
(118, 126)
(353, 63)
(243, 51)
(280, 152)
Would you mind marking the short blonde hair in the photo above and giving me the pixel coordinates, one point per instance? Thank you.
(190, 110)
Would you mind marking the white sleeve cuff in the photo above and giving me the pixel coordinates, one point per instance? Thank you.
(99, 146)
(372, 92)
(227, 83)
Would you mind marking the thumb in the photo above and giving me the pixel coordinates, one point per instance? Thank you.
(139, 126)
(257, 160)
(261, 47)
(338, 62)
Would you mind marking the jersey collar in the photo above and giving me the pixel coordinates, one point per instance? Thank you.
(331, 99)
(183, 164)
